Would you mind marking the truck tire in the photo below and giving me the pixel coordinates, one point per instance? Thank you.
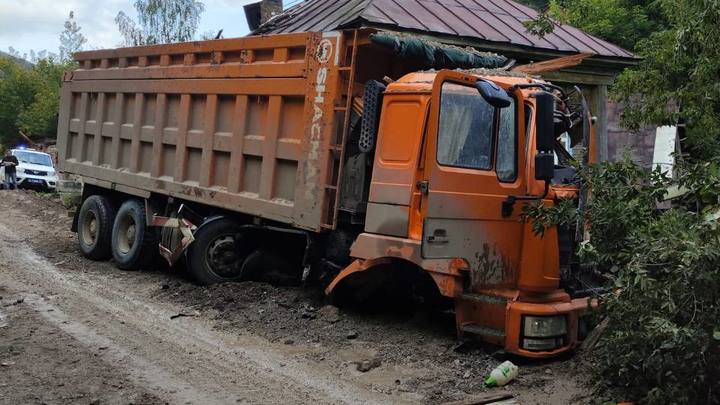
(218, 252)
(134, 245)
(95, 224)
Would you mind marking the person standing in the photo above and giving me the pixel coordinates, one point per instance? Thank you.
(10, 162)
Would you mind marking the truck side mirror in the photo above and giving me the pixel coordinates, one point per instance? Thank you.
(544, 136)
(544, 166)
(493, 94)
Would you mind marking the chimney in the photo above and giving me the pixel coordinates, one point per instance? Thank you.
(259, 13)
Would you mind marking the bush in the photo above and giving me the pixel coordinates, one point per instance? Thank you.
(662, 342)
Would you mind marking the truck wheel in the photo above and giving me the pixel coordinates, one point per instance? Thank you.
(133, 244)
(95, 224)
(218, 253)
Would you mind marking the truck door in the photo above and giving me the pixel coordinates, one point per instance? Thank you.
(473, 163)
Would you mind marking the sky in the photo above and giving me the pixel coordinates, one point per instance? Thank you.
(36, 24)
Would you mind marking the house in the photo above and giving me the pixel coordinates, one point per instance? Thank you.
(487, 25)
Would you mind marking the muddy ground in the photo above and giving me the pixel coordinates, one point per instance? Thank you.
(76, 331)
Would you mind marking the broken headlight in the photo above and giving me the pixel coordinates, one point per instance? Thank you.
(544, 332)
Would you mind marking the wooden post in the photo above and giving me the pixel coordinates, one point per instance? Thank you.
(597, 97)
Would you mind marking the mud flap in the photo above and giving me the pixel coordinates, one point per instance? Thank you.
(186, 228)
(75, 221)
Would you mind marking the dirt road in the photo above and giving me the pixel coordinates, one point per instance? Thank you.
(75, 331)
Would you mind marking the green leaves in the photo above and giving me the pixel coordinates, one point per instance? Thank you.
(669, 275)
(622, 22)
(542, 25)
(677, 80)
(663, 270)
(542, 216)
(29, 99)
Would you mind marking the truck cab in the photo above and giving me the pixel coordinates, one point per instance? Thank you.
(452, 170)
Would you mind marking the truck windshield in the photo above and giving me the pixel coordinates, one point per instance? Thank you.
(466, 128)
(33, 158)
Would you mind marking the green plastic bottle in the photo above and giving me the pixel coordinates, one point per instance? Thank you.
(502, 374)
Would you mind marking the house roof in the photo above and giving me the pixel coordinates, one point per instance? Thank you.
(491, 22)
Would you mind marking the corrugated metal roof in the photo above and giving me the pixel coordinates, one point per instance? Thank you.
(494, 21)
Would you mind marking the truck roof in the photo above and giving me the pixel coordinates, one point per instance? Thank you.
(423, 81)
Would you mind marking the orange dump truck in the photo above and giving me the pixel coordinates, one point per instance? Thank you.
(322, 156)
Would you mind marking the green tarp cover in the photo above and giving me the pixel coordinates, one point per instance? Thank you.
(434, 55)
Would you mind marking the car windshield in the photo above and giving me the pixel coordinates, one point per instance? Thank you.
(33, 158)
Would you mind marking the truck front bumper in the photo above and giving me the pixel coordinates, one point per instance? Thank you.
(538, 326)
(540, 340)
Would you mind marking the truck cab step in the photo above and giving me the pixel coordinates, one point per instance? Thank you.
(490, 299)
(475, 329)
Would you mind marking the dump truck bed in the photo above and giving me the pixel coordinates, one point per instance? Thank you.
(254, 125)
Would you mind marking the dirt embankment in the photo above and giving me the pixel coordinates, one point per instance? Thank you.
(86, 332)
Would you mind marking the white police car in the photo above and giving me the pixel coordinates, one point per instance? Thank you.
(35, 170)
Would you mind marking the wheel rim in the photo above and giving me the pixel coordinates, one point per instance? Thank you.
(222, 257)
(126, 235)
(89, 229)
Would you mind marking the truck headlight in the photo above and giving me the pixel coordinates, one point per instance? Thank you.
(544, 332)
(544, 326)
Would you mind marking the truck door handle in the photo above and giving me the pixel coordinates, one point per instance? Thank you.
(440, 240)
(423, 186)
(439, 237)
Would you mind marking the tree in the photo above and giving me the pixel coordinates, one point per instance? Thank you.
(28, 59)
(16, 54)
(29, 99)
(676, 81)
(622, 22)
(16, 93)
(71, 39)
(161, 22)
(41, 116)
(678, 78)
